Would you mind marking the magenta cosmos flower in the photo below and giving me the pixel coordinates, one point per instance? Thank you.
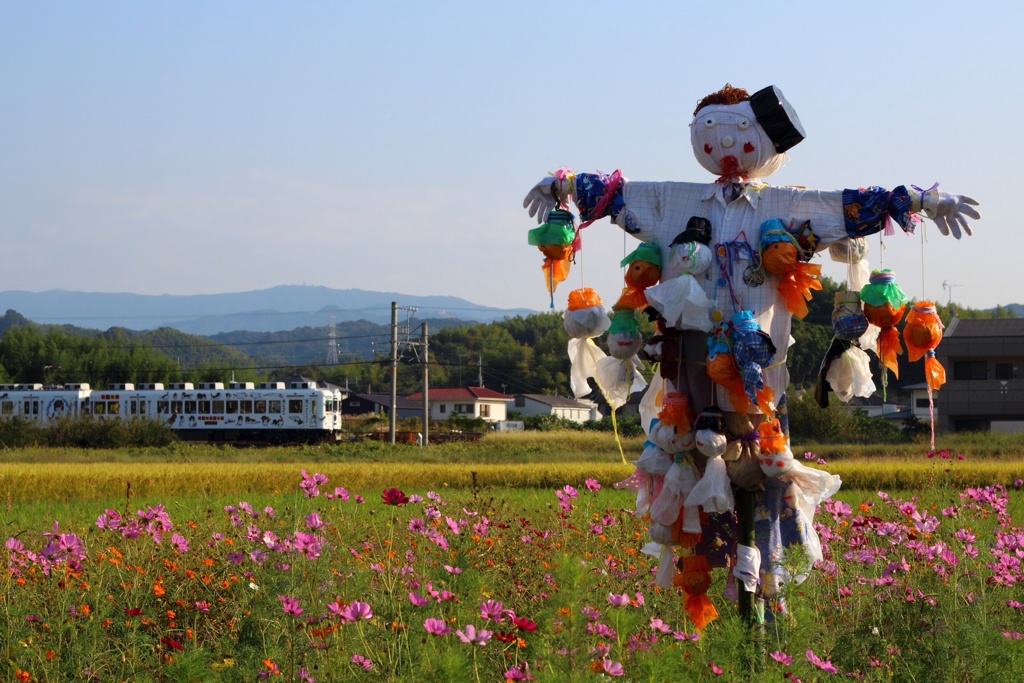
(394, 496)
(436, 627)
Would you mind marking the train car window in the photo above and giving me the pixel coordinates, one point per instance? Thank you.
(99, 408)
(295, 405)
(142, 407)
(7, 408)
(204, 407)
(259, 405)
(114, 408)
(275, 407)
(177, 407)
(190, 407)
(232, 407)
(218, 407)
(163, 408)
(133, 406)
(246, 407)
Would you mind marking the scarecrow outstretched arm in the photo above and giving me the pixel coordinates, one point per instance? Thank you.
(866, 210)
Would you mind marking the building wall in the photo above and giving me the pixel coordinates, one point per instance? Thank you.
(983, 389)
(490, 410)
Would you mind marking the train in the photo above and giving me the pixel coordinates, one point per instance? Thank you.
(270, 412)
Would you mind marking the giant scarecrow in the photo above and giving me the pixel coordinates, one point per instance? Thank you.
(724, 377)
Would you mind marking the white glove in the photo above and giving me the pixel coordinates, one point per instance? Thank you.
(540, 201)
(949, 211)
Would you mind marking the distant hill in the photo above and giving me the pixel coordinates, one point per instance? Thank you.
(285, 307)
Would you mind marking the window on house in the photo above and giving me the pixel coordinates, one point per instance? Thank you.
(485, 410)
(444, 408)
(1005, 371)
(970, 369)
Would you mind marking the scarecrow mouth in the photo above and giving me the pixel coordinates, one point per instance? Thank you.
(730, 166)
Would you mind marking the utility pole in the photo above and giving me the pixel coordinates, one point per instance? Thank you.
(426, 387)
(394, 371)
(479, 371)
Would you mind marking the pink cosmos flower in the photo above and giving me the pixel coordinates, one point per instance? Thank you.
(417, 600)
(470, 634)
(519, 673)
(611, 668)
(715, 669)
(356, 611)
(179, 543)
(309, 484)
(360, 660)
(340, 493)
(618, 600)
(314, 521)
(290, 605)
(452, 570)
(823, 664)
(1015, 635)
(436, 627)
(592, 485)
(492, 610)
(659, 625)
(203, 605)
(781, 658)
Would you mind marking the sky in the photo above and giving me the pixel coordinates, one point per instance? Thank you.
(200, 148)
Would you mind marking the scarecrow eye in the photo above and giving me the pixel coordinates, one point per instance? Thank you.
(709, 121)
(743, 124)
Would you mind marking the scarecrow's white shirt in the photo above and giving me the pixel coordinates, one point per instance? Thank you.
(661, 210)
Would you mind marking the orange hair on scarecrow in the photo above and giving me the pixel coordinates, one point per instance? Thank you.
(727, 95)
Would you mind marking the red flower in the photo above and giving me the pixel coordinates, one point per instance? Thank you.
(171, 642)
(524, 624)
(394, 496)
(505, 636)
(133, 612)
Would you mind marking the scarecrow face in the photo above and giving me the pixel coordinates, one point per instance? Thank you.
(728, 141)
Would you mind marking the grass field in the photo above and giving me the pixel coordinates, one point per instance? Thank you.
(510, 559)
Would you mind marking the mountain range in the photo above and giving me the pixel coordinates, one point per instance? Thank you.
(284, 307)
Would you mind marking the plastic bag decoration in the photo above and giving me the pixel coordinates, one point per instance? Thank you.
(709, 432)
(922, 334)
(786, 254)
(584, 319)
(848, 320)
(619, 374)
(722, 369)
(624, 338)
(680, 299)
(676, 412)
(554, 239)
(714, 491)
(845, 367)
(694, 578)
(753, 351)
(884, 304)
(643, 269)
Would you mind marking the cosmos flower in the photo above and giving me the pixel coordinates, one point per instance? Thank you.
(393, 496)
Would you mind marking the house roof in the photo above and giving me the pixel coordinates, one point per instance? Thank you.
(467, 393)
(986, 327)
(557, 401)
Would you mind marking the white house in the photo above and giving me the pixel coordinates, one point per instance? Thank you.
(577, 410)
(466, 401)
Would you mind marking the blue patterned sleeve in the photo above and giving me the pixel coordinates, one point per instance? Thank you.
(865, 211)
(590, 188)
